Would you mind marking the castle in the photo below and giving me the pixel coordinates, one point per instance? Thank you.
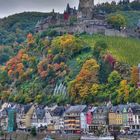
(86, 8)
(77, 21)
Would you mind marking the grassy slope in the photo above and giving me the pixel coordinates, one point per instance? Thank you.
(132, 17)
(123, 49)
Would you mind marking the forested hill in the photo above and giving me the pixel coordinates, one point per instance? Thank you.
(16, 27)
(71, 69)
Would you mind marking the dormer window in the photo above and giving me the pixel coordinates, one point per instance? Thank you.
(118, 111)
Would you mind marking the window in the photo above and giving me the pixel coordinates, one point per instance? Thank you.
(138, 127)
(133, 127)
(118, 111)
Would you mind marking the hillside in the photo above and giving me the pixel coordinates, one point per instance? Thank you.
(123, 49)
(71, 69)
(131, 17)
(16, 27)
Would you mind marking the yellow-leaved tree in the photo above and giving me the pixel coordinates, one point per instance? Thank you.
(134, 75)
(81, 86)
(123, 92)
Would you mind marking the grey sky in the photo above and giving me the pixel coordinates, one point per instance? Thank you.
(8, 7)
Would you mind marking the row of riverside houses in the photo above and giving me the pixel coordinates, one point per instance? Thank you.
(70, 119)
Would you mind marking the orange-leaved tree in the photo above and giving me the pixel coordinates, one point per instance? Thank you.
(80, 88)
(30, 39)
(15, 66)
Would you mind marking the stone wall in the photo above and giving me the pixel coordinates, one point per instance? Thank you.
(88, 26)
(86, 8)
(112, 32)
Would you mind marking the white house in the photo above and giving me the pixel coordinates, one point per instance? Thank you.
(83, 121)
(39, 118)
(136, 118)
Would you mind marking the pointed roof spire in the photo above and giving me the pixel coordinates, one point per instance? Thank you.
(68, 8)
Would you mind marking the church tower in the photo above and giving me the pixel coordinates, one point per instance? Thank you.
(86, 8)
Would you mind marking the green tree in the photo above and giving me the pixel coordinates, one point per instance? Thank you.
(117, 21)
(137, 96)
(33, 131)
(114, 78)
(105, 70)
(99, 49)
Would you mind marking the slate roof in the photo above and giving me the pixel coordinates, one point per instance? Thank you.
(26, 108)
(121, 107)
(58, 111)
(40, 113)
(76, 109)
(136, 109)
(103, 108)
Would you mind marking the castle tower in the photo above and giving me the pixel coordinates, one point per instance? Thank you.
(86, 8)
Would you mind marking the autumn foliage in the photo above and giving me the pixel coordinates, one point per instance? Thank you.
(123, 92)
(15, 66)
(54, 69)
(67, 44)
(68, 67)
(80, 87)
(134, 75)
(30, 39)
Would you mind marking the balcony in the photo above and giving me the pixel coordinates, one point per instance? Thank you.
(72, 124)
(72, 115)
(70, 120)
(72, 128)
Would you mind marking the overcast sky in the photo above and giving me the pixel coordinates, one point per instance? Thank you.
(9, 7)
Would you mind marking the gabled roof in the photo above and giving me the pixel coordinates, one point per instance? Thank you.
(103, 108)
(26, 108)
(121, 107)
(76, 109)
(40, 113)
(58, 111)
(136, 109)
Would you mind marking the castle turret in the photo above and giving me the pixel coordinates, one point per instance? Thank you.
(86, 8)
(68, 8)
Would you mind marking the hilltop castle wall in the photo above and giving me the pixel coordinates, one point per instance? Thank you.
(86, 8)
(84, 21)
